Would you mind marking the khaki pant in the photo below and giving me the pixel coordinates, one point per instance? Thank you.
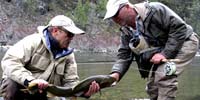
(162, 87)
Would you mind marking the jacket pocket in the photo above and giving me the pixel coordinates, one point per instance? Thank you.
(60, 68)
(39, 62)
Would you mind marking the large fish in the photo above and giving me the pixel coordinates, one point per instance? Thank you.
(83, 86)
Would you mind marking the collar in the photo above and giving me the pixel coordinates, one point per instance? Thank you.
(141, 9)
(52, 45)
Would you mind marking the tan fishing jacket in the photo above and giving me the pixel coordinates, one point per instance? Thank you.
(29, 59)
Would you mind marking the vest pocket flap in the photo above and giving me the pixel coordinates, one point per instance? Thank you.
(39, 62)
(60, 69)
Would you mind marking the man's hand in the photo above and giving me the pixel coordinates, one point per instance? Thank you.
(158, 58)
(115, 75)
(94, 88)
(42, 84)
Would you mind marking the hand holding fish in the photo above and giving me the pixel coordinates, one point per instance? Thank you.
(94, 88)
(41, 84)
(115, 75)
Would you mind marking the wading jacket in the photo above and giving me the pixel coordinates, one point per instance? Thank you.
(31, 59)
(160, 26)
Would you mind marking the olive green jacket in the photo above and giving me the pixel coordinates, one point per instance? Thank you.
(160, 26)
(30, 59)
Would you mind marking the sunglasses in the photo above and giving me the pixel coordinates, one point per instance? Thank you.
(69, 34)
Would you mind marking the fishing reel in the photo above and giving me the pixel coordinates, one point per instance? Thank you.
(169, 68)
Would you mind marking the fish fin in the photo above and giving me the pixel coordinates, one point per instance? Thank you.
(50, 94)
(114, 84)
(25, 90)
(79, 94)
(28, 91)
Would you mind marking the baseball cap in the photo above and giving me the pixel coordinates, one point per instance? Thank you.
(66, 23)
(113, 6)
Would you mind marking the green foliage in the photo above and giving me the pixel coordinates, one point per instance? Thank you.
(30, 6)
(101, 6)
(195, 16)
(81, 12)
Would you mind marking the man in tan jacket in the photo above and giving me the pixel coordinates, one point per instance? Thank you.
(43, 58)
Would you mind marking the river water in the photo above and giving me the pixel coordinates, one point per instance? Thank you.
(132, 86)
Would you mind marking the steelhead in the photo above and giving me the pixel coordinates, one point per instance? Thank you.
(103, 81)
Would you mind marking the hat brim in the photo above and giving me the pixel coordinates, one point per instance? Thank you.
(111, 13)
(113, 6)
(74, 30)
